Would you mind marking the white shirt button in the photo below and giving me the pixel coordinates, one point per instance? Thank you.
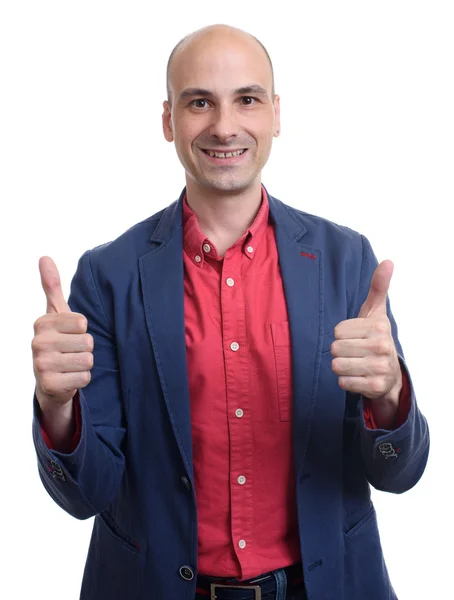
(241, 479)
(239, 413)
(206, 247)
(198, 258)
(234, 346)
(242, 544)
(230, 282)
(250, 249)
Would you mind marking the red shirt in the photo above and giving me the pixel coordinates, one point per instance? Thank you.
(239, 370)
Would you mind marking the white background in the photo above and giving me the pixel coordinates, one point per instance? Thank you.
(367, 141)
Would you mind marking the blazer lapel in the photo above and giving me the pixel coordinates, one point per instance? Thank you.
(302, 274)
(162, 277)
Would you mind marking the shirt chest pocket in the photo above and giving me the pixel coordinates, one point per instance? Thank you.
(280, 333)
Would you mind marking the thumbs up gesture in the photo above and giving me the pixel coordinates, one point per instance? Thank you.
(364, 354)
(62, 348)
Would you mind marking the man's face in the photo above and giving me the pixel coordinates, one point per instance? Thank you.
(221, 101)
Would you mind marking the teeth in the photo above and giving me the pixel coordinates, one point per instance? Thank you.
(224, 154)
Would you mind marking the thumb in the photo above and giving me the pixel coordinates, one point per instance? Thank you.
(375, 302)
(50, 280)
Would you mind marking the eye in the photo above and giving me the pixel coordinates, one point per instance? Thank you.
(199, 103)
(248, 100)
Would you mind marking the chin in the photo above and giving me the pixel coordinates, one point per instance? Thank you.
(225, 184)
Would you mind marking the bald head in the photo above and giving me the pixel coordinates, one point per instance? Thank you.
(221, 99)
(222, 34)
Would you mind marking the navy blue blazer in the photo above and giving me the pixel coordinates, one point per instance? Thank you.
(132, 468)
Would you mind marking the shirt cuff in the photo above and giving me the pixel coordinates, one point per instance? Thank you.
(76, 437)
(403, 409)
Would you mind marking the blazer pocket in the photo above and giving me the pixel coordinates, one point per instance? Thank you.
(363, 521)
(118, 534)
(280, 333)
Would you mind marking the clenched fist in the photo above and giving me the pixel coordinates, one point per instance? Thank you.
(62, 348)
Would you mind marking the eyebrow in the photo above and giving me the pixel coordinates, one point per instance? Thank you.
(247, 89)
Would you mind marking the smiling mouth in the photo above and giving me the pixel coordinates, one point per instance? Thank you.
(214, 154)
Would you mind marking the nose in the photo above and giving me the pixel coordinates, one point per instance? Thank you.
(224, 125)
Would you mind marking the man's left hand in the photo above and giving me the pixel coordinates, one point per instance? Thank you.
(364, 354)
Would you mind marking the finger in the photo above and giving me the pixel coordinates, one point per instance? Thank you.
(62, 323)
(69, 362)
(351, 367)
(50, 281)
(370, 387)
(363, 348)
(356, 385)
(375, 302)
(58, 384)
(62, 343)
(356, 348)
(73, 362)
(74, 343)
(352, 329)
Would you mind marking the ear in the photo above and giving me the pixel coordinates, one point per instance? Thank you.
(277, 115)
(167, 121)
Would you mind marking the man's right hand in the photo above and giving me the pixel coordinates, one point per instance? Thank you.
(62, 348)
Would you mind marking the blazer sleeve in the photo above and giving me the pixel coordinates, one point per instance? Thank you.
(85, 481)
(394, 461)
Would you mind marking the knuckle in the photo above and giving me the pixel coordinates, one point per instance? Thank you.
(87, 360)
(82, 323)
(382, 324)
(46, 384)
(383, 367)
(85, 378)
(377, 385)
(36, 345)
(38, 325)
(343, 383)
(382, 347)
(89, 342)
(44, 342)
(40, 364)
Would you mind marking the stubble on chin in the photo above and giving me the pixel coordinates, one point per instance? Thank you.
(220, 179)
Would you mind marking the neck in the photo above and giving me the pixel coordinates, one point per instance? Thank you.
(224, 217)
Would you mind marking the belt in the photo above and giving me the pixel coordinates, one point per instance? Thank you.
(217, 588)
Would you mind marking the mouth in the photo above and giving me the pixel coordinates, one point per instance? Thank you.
(218, 157)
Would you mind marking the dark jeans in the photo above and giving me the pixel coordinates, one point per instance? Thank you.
(277, 587)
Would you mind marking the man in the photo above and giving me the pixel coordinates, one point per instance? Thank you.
(226, 379)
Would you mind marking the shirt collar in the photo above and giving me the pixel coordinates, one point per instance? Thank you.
(197, 246)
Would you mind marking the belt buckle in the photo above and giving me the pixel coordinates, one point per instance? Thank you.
(257, 589)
